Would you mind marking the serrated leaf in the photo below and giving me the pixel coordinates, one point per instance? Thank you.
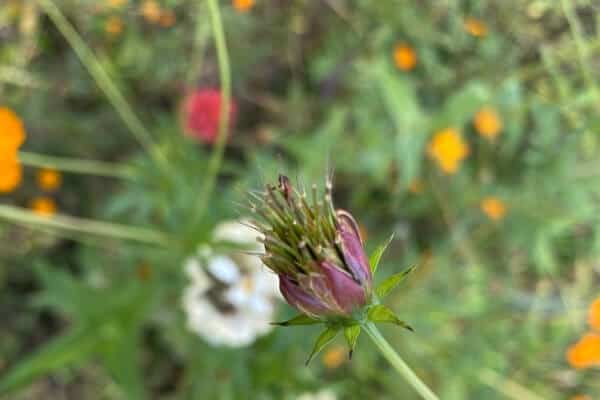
(301, 319)
(351, 334)
(390, 283)
(376, 255)
(323, 340)
(381, 313)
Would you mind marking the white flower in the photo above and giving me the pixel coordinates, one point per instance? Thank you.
(324, 394)
(231, 298)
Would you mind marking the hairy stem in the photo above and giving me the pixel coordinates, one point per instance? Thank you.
(398, 363)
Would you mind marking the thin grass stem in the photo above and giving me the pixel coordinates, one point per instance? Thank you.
(73, 224)
(104, 82)
(214, 164)
(77, 165)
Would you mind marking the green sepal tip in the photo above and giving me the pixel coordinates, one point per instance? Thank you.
(323, 340)
(351, 334)
(390, 283)
(376, 255)
(300, 319)
(381, 313)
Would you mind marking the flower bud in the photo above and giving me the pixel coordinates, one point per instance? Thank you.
(316, 251)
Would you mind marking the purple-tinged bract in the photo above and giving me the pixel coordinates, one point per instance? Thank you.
(316, 251)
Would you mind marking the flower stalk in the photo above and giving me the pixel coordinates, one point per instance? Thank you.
(397, 362)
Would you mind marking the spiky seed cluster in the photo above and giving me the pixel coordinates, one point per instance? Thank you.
(299, 232)
(319, 257)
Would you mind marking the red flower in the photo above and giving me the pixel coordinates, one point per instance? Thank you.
(201, 113)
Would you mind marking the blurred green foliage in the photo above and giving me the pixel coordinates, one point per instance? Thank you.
(494, 303)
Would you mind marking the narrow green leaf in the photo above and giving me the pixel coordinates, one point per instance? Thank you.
(401, 101)
(301, 319)
(390, 283)
(381, 313)
(351, 333)
(376, 255)
(68, 349)
(121, 358)
(324, 338)
(461, 105)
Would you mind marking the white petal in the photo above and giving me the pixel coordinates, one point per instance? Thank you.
(266, 283)
(224, 269)
(196, 273)
(259, 305)
(234, 231)
(237, 295)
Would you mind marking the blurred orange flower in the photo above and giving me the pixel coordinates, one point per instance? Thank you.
(586, 352)
(488, 123)
(143, 272)
(114, 26)
(243, 5)
(475, 27)
(334, 357)
(167, 18)
(594, 316)
(151, 11)
(416, 186)
(580, 397)
(405, 57)
(448, 149)
(49, 179)
(11, 174)
(493, 207)
(116, 3)
(44, 206)
(12, 133)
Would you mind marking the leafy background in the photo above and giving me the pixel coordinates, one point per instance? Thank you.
(494, 303)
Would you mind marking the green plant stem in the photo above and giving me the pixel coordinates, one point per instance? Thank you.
(18, 77)
(397, 362)
(76, 165)
(510, 389)
(580, 45)
(104, 82)
(81, 225)
(463, 243)
(214, 164)
(202, 35)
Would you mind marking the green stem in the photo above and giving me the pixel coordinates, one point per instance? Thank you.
(214, 164)
(76, 165)
(397, 362)
(201, 37)
(18, 77)
(104, 82)
(510, 389)
(580, 45)
(80, 225)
